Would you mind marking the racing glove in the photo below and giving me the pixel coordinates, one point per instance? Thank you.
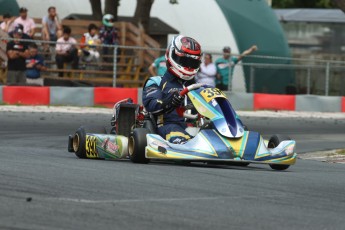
(172, 102)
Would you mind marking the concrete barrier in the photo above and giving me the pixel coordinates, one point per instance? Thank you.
(74, 96)
(107, 96)
(274, 102)
(241, 101)
(0, 94)
(26, 95)
(140, 95)
(314, 103)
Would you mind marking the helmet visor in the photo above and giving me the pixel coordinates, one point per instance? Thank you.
(186, 61)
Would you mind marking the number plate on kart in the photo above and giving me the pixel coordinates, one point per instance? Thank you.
(210, 93)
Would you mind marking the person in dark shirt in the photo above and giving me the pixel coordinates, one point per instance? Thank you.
(17, 52)
(34, 66)
(24, 35)
(108, 36)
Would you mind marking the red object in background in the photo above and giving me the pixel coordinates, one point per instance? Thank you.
(343, 104)
(107, 96)
(274, 102)
(26, 95)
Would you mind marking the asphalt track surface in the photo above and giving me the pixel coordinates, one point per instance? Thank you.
(42, 186)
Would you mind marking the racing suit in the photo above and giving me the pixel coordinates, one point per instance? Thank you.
(157, 96)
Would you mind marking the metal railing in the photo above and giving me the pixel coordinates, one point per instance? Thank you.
(261, 73)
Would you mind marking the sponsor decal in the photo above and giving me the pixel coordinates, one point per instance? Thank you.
(109, 146)
(91, 147)
(211, 93)
(18, 47)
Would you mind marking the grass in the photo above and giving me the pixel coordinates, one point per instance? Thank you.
(341, 152)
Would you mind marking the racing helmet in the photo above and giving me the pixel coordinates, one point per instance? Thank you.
(108, 20)
(183, 57)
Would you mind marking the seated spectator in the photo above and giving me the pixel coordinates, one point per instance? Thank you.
(51, 27)
(8, 24)
(207, 72)
(17, 53)
(108, 35)
(34, 66)
(24, 35)
(66, 51)
(28, 23)
(89, 42)
(158, 67)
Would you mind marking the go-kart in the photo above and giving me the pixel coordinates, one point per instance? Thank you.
(219, 136)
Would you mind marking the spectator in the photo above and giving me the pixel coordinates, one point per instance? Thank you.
(66, 50)
(28, 23)
(8, 24)
(34, 66)
(207, 72)
(88, 44)
(108, 35)
(225, 67)
(51, 27)
(24, 36)
(17, 52)
(158, 67)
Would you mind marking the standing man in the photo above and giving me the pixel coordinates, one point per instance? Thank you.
(17, 52)
(34, 66)
(28, 23)
(158, 67)
(225, 67)
(51, 27)
(108, 35)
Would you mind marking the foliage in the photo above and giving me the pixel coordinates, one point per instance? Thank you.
(302, 4)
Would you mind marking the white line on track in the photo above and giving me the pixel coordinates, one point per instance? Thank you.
(74, 109)
(87, 201)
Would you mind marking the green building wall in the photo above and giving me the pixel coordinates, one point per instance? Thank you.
(254, 22)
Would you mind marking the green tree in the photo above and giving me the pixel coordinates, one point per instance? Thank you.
(302, 4)
(340, 4)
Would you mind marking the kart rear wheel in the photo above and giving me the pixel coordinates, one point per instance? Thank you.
(274, 141)
(136, 145)
(79, 138)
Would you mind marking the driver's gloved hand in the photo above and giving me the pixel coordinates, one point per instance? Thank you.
(172, 102)
(176, 99)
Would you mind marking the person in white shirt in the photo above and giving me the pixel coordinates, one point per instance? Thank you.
(207, 72)
(28, 23)
(8, 24)
(89, 42)
(66, 50)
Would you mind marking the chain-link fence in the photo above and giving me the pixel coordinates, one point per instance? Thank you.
(128, 66)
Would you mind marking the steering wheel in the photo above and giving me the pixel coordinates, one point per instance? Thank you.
(183, 93)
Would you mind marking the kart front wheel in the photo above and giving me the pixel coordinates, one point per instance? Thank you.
(274, 141)
(136, 145)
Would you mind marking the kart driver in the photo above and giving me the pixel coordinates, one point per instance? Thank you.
(161, 93)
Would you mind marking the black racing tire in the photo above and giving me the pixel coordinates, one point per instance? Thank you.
(79, 138)
(274, 141)
(136, 145)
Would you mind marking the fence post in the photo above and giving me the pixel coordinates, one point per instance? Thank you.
(252, 73)
(308, 80)
(327, 79)
(114, 65)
